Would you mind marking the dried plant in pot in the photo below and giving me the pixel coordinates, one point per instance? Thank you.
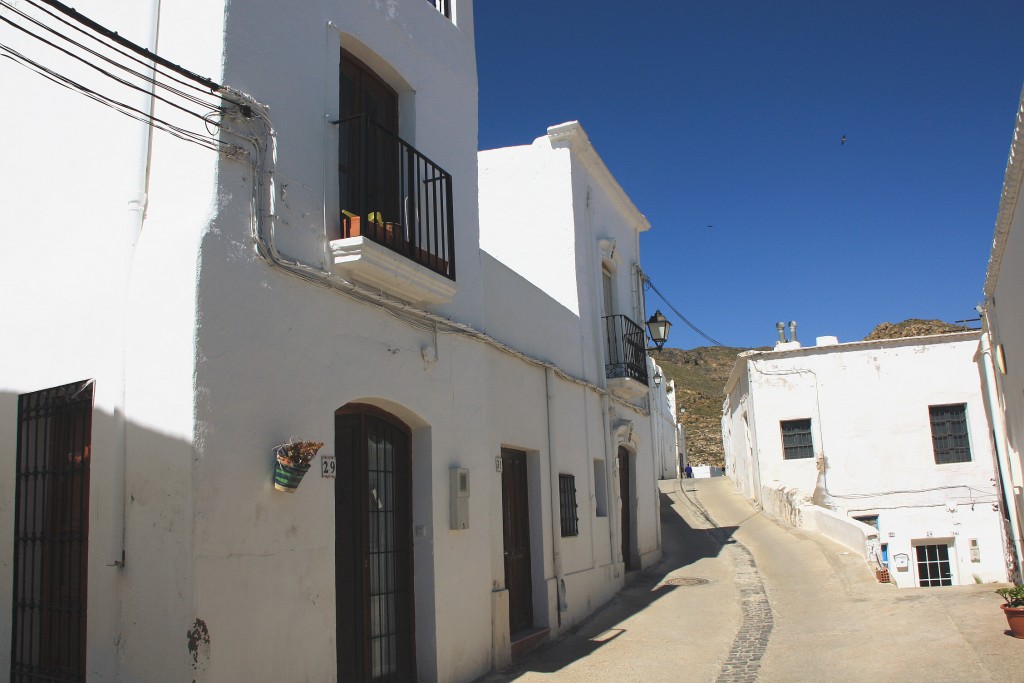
(292, 462)
(1014, 608)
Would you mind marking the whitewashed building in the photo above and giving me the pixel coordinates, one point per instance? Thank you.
(297, 253)
(883, 445)
(1002, 345)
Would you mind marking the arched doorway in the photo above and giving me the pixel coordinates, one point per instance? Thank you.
(373, 546)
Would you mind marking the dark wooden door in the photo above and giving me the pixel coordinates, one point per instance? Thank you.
(373, 547)
(625, 492)
(516, 513)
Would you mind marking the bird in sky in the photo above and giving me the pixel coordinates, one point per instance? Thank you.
(842, 140)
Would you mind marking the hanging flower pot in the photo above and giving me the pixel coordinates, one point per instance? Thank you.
(292, 462)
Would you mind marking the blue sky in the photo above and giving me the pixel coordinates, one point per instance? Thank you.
(730, 114)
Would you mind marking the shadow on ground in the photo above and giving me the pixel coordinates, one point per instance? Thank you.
(682, 545)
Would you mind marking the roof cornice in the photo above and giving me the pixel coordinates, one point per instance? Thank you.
(572, 135)
(740, 365)
(1007, 202)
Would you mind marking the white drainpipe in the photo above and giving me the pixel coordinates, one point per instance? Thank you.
(556, 518)
(137, 202)
(999, 438)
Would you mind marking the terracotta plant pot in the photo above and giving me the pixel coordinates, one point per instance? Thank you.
(1015, 618)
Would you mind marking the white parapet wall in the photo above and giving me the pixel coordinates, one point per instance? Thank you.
(795, 507)
(848, 532)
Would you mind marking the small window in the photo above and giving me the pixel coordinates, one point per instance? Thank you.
(796, 439)
(870, 520)
(949, 433)
(600, 489)
(567, 504)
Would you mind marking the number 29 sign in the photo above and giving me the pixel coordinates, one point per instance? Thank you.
(328, 468)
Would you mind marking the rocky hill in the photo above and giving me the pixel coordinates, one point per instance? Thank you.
(912, 327)
(700, 375)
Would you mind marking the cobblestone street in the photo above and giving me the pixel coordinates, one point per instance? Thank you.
(740, 597)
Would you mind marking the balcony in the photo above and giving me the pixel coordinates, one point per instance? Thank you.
(443, 6)
(397, 211)
(626, 359)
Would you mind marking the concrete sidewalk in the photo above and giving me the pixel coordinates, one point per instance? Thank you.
(742, 597)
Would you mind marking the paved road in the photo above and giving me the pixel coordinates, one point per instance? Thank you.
(779, 605)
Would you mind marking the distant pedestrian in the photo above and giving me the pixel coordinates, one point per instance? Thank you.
(688, 472)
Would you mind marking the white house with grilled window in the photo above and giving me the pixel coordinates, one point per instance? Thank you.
(1002, 347)
(282, 240)
(882, 445)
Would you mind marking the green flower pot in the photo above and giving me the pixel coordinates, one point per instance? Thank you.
(287, 477)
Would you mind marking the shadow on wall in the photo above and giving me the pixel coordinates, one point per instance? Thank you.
(158, 558)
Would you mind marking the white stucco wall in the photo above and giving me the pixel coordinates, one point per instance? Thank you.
(1003, 320)
(205, 356)
(123, 314)
(868, 405)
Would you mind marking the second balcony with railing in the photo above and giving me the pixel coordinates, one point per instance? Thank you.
(625, 357)
(400, 202)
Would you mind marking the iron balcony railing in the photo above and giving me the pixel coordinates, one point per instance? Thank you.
(443, 6)
(394, 195)
(627, 352)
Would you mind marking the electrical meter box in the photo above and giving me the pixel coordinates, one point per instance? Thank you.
(975, 551)
(458, 483)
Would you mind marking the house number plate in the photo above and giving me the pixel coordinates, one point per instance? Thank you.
(328, 468)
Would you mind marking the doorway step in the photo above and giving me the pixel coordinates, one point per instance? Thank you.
(527, 640)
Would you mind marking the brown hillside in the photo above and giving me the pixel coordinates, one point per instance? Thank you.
(700, 375)
(913, 327)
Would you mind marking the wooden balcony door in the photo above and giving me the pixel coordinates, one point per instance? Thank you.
(361, 91)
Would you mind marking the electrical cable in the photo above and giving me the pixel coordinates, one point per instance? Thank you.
(154, 66)
(138, 49)
(648, 283)
(148, 66)
(116, 105)
(103, 71)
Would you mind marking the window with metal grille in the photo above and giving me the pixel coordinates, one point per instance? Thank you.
(51, 534)
(949, 433)
(567, 504)
(796, 439)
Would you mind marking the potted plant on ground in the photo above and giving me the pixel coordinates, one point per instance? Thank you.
(292, 462)
(1014, 608)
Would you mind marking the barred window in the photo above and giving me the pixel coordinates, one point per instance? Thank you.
(949, 433)
(796, 439)
(567, 504)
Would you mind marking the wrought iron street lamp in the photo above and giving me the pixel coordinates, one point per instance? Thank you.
(657, 378)
(657, 328)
